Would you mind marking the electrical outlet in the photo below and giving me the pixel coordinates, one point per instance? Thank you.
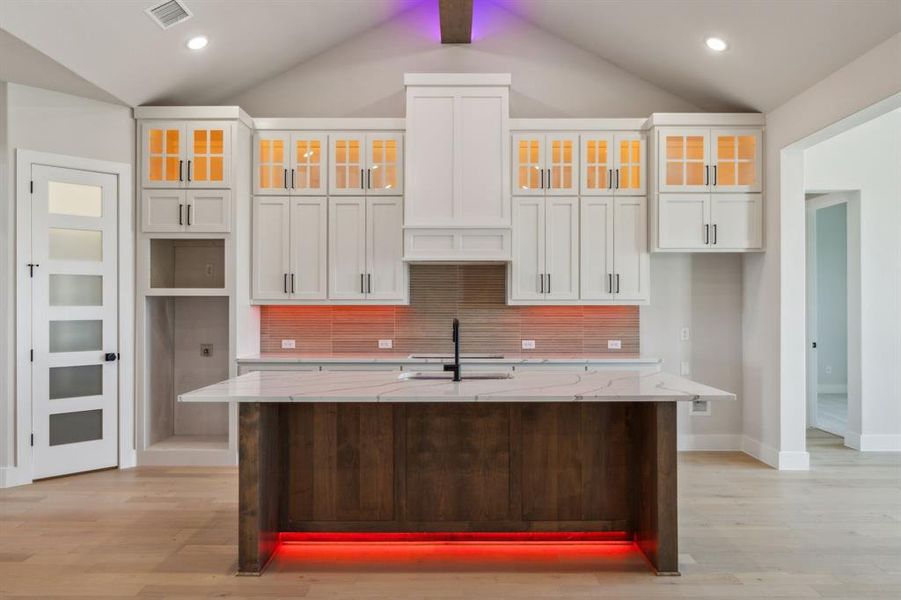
(614, 344)
(528, 344)
(209, 269)
(686, 368)
(386, 344)
(699, 408)
(828, 370)
(685, 334)
(287, 344)
(206, 350)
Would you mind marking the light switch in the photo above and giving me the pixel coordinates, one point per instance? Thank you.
(287, 344)
(386, 344)
(684, 334)
(614, 344)
(528, 344)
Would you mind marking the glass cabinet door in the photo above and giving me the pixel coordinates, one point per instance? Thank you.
(271, 151)
(561, 164)
(163, 155)
(346, 164)
(736, 160)
(307, 170)
(597, 164)
(684, 160)
(207, 157)
(629, 164)
(384, 164)
(528, 164)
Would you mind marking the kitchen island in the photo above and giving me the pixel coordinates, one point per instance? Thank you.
(579, 455)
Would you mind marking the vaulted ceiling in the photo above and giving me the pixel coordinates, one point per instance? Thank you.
(776, 47)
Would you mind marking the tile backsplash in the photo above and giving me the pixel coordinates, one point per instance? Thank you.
(438, 293)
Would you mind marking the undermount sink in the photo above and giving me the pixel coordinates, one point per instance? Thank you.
(447, 375)
(462, 356)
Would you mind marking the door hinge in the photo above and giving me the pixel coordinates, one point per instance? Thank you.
(32, 439)
(32, 355)
(31, 187)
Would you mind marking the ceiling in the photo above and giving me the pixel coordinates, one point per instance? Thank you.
(777, 48)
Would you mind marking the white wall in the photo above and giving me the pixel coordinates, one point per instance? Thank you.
(46, 121)
(832, 298)
(364, 76)
(702, 292)
(868, 158)
(773, 303)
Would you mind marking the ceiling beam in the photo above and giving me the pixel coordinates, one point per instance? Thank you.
(456, 21)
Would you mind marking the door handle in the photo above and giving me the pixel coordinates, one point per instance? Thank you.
(362, 285)
(617, 179)
(609, 179)
(542, 178)
(714, 177)
(368, 179)
(180, 211)
(292, 283)
(285, 178)
(189, 214)
(361, 180)
(714, 234)
(617, 283)
(110, 357)
(706, 234)
(548, 283)
(189, 170)
(548, 179)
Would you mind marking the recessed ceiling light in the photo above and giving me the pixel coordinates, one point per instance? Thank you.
(198, 43)
(716, 44)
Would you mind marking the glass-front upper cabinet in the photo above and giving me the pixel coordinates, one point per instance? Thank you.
(164, 150)
(288, 163)
(366, 164)
(597, 164)
(308, 168)
(613, 164)
(207, 154)
(179, 154)
(545, 163)
(629, 164)
(711, 160)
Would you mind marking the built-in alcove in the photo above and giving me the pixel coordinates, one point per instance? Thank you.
(187, 263)
(187, 342)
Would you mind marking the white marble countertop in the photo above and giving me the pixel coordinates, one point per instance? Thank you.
(465, 358)
(602, 385)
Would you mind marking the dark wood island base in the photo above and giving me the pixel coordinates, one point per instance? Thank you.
(458, 467)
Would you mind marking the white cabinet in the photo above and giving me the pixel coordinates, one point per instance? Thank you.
(290, 163)
(545, 164)
(289, 248)
(736, 221)
(180, 211)
(613, 164)
(186, 154)
(369, 164)
(615, 263)
(703, 159)
(710, 221)
(545, 249)
(365, 249)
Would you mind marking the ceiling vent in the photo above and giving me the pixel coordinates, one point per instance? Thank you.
(169, 13)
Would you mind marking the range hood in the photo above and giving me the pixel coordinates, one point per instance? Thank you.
(457, 188)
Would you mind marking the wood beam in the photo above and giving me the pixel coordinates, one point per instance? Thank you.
(456, 21)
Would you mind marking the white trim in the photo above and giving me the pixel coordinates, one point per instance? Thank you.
(455, 79)
(328, 124)
(760, 451)
(23, 469)
(874, 442)
(193, 113)
(718, 442)
(706, 119)
(794, 461)
(577, 124)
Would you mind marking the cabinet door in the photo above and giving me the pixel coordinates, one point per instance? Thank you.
(384, 164)
(163, 154)
(347, 248)
(384, 249)
(597, 159)
(308, 164)
(631, 262)
(562, 164)
(528, 164)
(736, 160)
(736, 221)
(596, 242)
(683, 160)
(162, 211)
(208, 154)
(309, 249)
(208, 211)
(271, 247)
(347, 160)
(683, 223)
(527, 270)
(271, 157)
(561, 243)
(630, 164)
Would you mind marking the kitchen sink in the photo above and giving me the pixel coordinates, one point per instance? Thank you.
(462, 356)
(447, 375)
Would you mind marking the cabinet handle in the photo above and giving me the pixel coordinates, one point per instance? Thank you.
(714, 234)
(541, 283)
(361, 180)
(286, 283)
(189, 171)
(542, 178)
(285, 178)
(548, 283)
(610, 283)
(617, 179)
(292, 179)
(368, 179)
(610, 179)
(706, 174)
(292, 283)
(180, 211)
(189, 214)
(362, 280)
(369, 283)
(180, 165)
(714, 180)
(548, 179)
(617, 283)
(706, 234)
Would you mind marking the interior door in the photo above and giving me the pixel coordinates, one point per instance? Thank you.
(308, 164)
(271, 249)
(736, 158)
(597, 164)
(271, 150)
(684, 160)
(735, 221)
(527, 270)
(596, 242)
(347, 160)
(384, 164)
(164, 152)
(347, 248)
(309, 249)
(209, 150)
(631, 262)
(561, 277)
(562, 164)
(74, 326)
(384, 249)
(684, 221)
(630, 164)
(528, 164)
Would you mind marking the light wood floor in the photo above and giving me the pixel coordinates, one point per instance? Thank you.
(747, 531)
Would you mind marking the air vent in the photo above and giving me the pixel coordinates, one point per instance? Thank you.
(169, 13)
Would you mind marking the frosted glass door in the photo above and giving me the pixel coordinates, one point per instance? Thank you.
(74, 321)
(684, 160)
(736, 160)
(308, 164)
(384, 164)
(528, 164)
(271, 157)
(163, 156)
(347, 160)
(562, 164)
(597, 160)
(209, 151)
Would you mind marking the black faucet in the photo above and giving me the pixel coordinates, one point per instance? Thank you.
(456, 366)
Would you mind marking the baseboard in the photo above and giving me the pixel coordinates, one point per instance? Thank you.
(13, 476)
(852, 440)
(794, 460)
(878, 442)
(722, 442)
(762, 452)
(832, 388)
